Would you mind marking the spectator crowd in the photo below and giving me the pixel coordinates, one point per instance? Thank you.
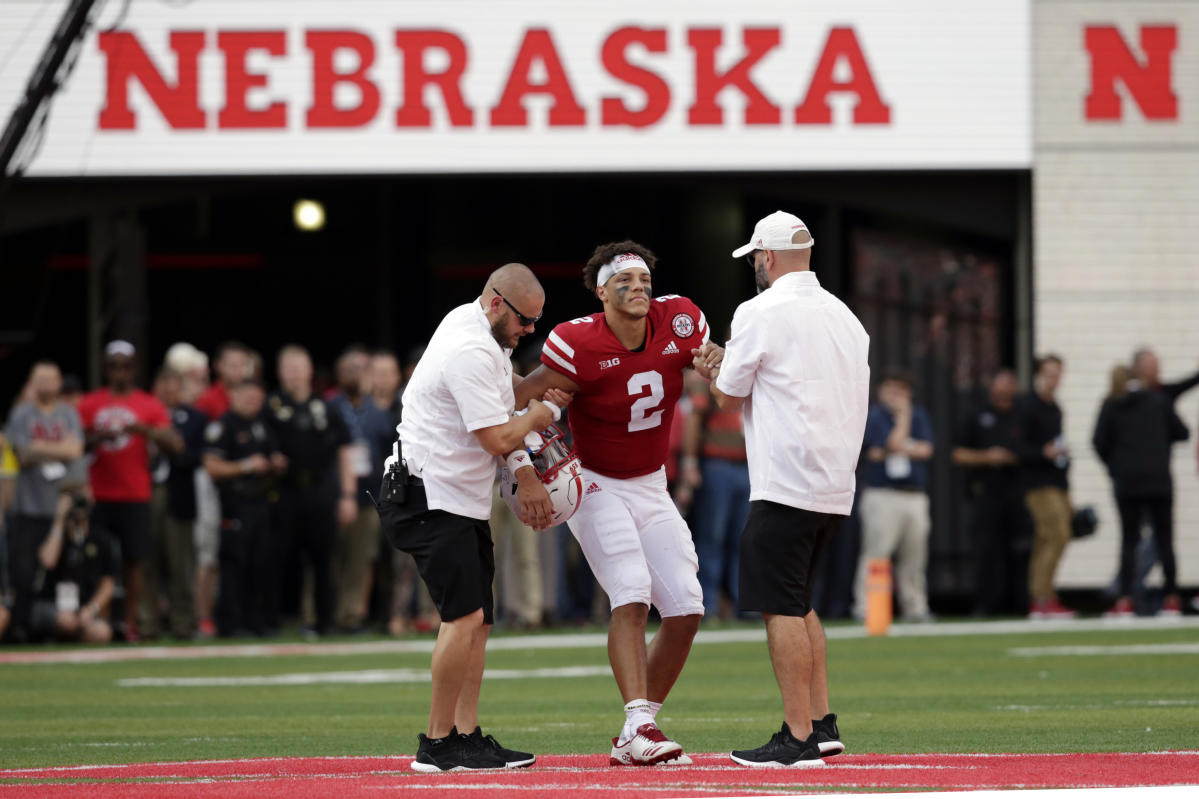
(209, 505)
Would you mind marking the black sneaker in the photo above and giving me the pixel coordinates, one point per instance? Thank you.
(453, 753)
(511, 758)
(783, 749)
(828, 737)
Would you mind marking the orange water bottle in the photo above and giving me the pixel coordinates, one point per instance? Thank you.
(878, 596)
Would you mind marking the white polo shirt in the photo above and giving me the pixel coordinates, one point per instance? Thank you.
(801, 357)
(462, 383)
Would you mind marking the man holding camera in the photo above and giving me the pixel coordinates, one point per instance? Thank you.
(77, 576)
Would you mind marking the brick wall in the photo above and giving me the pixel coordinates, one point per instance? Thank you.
(1116, 250)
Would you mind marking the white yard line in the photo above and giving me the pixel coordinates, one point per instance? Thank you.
(1093, 651)
(594, 640)
(369, 676)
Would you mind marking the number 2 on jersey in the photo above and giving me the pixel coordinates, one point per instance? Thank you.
(640, 418)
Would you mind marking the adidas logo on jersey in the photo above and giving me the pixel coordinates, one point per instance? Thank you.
(593, 489)
(671, 349)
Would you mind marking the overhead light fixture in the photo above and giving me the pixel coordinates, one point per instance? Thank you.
(309, 215)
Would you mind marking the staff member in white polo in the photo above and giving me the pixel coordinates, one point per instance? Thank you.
(797, 367)
(436, 501)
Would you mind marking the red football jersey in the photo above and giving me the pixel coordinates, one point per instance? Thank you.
(121, 469)
(621, 415)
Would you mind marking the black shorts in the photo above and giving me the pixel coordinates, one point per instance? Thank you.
(129, 524)
(454, 555)
(780, 548)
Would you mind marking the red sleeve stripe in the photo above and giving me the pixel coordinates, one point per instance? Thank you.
(703, 326)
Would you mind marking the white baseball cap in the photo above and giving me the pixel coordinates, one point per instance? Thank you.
(775, 232)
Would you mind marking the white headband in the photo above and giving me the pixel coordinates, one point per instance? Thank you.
(626, 260)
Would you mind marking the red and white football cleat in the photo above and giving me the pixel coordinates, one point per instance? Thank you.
(647, 747)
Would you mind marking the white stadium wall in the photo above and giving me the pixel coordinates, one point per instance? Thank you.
(1116, 218)
(480, 86)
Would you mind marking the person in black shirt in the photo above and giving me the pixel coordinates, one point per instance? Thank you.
(1044, 461)
(77, 578)
(1136, 428)
(986, 448)
(243, 458)
(319, 490)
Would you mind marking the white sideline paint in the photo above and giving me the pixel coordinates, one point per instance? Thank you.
(499, 643)
(365, 677)
(1091, 651)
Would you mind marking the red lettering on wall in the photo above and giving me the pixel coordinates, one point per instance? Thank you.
(565, 111)
(413, 44)
(613, 110)
(239, 80)
(125, 59)
(325, 78)
(709, 82)
(1149, 83)
(870, 108)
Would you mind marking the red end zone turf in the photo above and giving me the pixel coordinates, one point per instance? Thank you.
(558, 775)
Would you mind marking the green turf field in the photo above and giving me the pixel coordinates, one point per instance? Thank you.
(900, 694)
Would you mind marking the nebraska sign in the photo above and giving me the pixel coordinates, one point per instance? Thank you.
(219, 86)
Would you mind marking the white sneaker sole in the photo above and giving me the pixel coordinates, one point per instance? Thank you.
(775, 764)
(428, 768)
(520, 763)
(831, 748)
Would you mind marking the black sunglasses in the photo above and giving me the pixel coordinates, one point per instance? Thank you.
(525, 321)
(751, 258)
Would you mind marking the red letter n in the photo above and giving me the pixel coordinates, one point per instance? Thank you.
(1149, 84)
(709, 83)
(815, 110)
(325, 78)
(125, 59)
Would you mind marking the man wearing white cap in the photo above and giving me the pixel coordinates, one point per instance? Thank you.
(120, 420)
(797, 366)
(626, 369)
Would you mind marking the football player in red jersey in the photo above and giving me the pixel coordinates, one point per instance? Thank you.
(625, 369)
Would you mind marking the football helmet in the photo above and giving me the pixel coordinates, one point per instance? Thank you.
(559, 468)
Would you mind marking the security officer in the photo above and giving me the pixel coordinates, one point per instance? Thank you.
(986, 448)
(319, 489)
(242, 457)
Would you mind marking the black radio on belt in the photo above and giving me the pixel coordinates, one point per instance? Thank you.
(395, 483)
(399, 486)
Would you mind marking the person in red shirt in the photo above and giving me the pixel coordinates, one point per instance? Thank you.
(120, 422)
(233, 364)
(625, 367)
